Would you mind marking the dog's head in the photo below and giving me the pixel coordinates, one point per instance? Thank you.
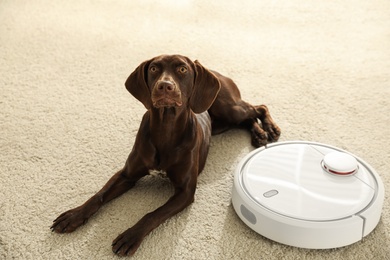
(173, 81)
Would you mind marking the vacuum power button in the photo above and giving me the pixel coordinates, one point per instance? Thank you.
(270, 193)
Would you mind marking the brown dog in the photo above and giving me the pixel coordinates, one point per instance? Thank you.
(185, 103)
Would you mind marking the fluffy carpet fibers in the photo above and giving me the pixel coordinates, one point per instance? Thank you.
(67, 123)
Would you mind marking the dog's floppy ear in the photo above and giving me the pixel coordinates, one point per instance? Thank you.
(136, 84)
(205, 90)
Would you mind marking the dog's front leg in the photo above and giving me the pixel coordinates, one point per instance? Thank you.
(118, 184)
(129, 241)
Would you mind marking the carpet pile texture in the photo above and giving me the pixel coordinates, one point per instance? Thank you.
(67, 122)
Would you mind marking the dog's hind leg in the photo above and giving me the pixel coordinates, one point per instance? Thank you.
(260, 124)
(256, 119)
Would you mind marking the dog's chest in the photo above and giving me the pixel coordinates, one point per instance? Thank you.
(158, 173)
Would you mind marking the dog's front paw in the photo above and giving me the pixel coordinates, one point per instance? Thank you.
(128, 242)
(69, 221)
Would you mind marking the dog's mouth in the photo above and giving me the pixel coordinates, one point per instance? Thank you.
(166, 101)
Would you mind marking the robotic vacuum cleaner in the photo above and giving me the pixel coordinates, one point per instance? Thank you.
(307, 194)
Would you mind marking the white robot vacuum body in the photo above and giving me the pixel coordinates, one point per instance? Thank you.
(307, 194)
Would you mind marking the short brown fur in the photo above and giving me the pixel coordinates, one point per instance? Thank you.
(185, 103)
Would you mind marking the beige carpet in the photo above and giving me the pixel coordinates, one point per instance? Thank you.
(67, 123)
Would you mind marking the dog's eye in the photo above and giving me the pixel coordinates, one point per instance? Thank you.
(183, 69)
(153, 69)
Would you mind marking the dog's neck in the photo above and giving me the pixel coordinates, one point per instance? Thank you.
(171, 123)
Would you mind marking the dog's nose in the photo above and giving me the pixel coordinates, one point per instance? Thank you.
(165, 86)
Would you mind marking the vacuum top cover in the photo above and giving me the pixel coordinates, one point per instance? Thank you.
(293, 181)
